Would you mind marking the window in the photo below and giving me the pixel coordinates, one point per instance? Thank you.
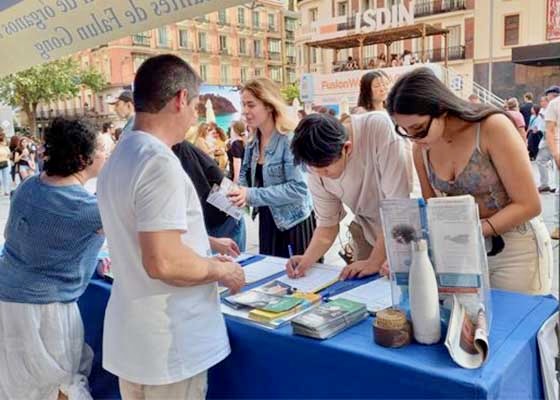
(163, 37)
(256, 19)
(257, 45)
(142, 38)
(271, 22)
(138, 59)
(242, 46)
(222, 17)
(276, 74)
(274, 45)
(183, 38)
(202, 41)
(223, 43)
(204, 72)
(369, 5)
(313, 14)
(244, 74)
(511, 30)
(291, 76)
(241, 16)
(258, 72)
(290, 24)
(454, 37)
(341, 9)
(224, 74)
(314, 55)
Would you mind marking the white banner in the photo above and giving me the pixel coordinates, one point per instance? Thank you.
(332, 89)
(37, 31)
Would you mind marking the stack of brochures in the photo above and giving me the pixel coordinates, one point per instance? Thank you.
(330, 318)
(272, 304)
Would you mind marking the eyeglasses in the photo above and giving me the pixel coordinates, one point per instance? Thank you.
(401, 131)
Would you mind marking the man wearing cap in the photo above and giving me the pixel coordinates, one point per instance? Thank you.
(551, 140)
(124, 107)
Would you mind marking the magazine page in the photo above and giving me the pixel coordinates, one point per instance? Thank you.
(403, 222)
(467, 342)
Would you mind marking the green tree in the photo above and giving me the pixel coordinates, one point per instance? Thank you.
(53, 81)
(290, 92)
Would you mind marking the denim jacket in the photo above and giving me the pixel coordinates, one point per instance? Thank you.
(284, 184)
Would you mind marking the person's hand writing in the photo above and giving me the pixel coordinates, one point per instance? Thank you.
(225, 246)
(296, 267)
(231, 276)
(238, 196)
(358, 269)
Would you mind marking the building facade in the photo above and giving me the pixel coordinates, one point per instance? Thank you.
(227, 47)
(480, 32)
(504, 26)
(455, 15)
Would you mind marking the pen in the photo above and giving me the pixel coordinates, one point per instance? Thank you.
(291, 254)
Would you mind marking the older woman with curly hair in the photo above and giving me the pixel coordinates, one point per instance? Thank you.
(53, 236)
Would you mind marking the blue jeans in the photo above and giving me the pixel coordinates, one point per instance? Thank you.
(6, 179)
(232, 229)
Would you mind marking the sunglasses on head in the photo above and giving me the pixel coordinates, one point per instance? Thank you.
(401, 131)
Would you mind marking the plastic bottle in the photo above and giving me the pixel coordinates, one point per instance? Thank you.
(424, 304)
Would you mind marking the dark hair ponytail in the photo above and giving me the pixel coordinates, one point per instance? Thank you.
(422, 92)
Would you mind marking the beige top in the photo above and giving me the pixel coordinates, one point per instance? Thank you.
(379, 167)
(4, 152)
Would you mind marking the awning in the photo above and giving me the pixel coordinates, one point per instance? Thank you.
(34, 32)
(352, 40)
(537, 55)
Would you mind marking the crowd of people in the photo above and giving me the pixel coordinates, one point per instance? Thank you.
(396, 60)
(170, 248)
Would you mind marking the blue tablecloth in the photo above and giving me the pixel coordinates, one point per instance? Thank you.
(275, 364)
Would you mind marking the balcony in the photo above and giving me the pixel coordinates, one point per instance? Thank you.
(290, 35)
(438, 55)
(141, 40)
(272, 29)
(275, 56)
(225, 52)
(438, 7)
(291, 59)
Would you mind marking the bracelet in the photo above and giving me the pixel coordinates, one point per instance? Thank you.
(492, 226)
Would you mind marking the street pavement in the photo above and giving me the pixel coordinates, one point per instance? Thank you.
(550, 215)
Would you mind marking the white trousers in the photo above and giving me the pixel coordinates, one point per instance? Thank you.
(193, 388)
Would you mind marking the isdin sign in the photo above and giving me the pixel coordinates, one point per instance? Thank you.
(374, 19)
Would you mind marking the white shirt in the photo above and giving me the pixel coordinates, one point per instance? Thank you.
(154, 333)
(553, 114)
(379, 167)
(108, 143)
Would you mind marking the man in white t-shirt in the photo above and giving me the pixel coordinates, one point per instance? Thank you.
(163, 326)
(552, 135)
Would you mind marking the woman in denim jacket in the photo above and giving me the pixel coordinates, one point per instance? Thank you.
(269, 180)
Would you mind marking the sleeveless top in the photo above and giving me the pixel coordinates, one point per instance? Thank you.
(479, 178)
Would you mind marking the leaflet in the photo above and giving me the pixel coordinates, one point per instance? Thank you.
(269, 266)
(376, 295)
(316, 278)
(218, 197)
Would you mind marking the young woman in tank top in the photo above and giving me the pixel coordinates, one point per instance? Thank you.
(464, 148)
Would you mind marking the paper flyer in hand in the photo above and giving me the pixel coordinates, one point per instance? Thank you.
(467, 341)
(218, 197)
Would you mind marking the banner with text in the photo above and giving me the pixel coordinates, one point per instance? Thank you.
(334, 89)
(37, 31)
